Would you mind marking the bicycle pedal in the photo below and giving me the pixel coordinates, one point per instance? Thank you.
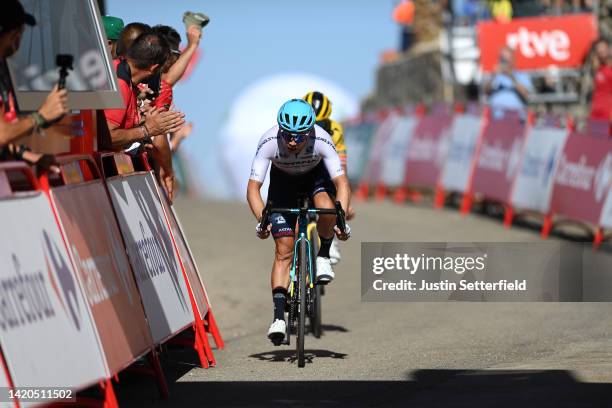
(277, 339)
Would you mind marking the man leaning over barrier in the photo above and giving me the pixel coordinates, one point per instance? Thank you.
(143, 59)
(13, 20)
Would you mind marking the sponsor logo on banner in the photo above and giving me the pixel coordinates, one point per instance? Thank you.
(583, 178)
(539, 42)
(117, 255)
(98, 289)
(24, 298)
(67, 284)
(422, 149)
(496, 158)
(578, 175)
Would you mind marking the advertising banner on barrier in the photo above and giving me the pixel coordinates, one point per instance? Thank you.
(562, 41)
(373, 172)
(583, 178)
(499, 157)
(395, 151)
(427, 149)
(358, 138)
(89, 224)
(46, 330)
(464, 134)
(534, 181)
(151, 254)
(188, 262)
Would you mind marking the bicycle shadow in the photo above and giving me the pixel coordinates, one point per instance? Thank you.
(327, 328)
(289, 355)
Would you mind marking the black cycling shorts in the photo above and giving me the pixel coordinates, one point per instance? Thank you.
(285, 190)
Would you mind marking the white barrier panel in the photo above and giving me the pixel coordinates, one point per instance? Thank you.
(46, 329)
(393, 167)
(606, 212)
(533, 185)
(465, 132)
(151, 253)
(191, 269)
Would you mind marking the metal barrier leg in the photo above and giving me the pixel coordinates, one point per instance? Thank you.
(162, 385)
(466, 204)
(110, 400)
(508, 215)
(211, 326)
(598, 238)
(546, 226)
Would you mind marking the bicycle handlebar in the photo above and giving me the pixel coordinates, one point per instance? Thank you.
(338, 212)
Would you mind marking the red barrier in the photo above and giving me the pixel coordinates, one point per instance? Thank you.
(86, 217)
(582, 180)
(427, 149)
(499, 159)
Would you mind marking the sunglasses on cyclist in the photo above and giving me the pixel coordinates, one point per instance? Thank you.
(291, 136)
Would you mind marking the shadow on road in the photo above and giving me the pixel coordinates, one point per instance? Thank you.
(289, 355)
(422, 388)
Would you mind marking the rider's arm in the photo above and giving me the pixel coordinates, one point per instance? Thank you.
(338, 138)
(332, 162)
(254, 198)
(259, 168)
(343, 191)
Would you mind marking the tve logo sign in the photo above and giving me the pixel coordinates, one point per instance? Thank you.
(539, 42)
(531, 44)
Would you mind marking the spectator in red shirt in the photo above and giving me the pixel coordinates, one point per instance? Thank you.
(143, 59)
(601, 106)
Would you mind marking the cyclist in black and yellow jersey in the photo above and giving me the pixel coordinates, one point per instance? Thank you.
(323, 109)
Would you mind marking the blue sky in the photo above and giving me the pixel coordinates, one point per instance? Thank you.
(245, 41)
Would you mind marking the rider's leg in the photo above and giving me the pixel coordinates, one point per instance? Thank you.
(283, 255)
(280, 280)
(325, 224)
(325, 228)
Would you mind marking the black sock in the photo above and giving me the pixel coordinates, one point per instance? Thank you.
(279, 297)
(325, 245)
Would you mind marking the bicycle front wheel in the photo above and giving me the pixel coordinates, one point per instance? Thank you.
(302, 299)
(315, 315)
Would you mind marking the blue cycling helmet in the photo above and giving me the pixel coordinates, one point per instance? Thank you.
(296, 115)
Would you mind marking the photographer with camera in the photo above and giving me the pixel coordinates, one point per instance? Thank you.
(12, 25)
(508, 89)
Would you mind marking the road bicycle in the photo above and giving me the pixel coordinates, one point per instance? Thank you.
(304, 294)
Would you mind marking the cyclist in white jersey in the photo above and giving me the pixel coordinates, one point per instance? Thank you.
(304, 162)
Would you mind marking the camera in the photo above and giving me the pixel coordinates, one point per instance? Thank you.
(64, 62)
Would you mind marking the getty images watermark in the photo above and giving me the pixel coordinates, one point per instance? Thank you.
(538, 271)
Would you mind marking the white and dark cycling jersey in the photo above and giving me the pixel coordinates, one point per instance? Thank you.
(319, 147)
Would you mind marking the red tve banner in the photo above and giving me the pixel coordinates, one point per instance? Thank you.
(539, 42)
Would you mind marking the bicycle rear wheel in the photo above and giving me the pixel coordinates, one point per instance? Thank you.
(302, 303)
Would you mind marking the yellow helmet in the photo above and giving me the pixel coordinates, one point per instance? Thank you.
(320, 103)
